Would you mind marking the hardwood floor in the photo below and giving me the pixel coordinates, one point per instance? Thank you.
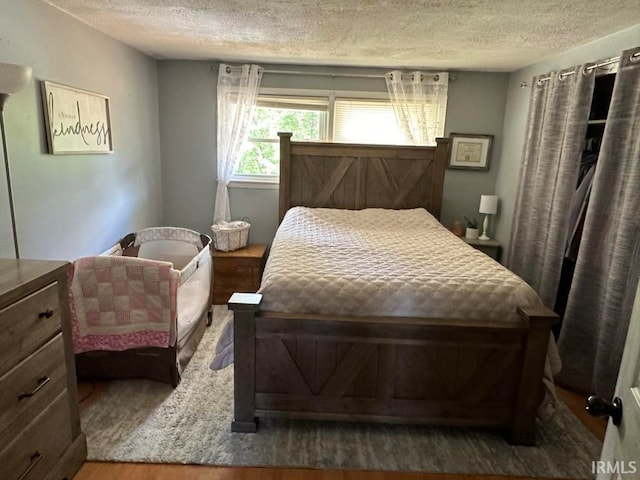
(123, 471)
(577, 404)
(88, 392)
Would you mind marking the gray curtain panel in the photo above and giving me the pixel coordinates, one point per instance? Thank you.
(608, 264)
(557, 125)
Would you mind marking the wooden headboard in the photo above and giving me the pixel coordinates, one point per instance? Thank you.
(355, 176)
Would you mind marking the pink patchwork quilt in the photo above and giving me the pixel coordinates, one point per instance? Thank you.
(119, 303)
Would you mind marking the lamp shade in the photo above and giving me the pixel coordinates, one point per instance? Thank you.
(13, 78)
(488, 204)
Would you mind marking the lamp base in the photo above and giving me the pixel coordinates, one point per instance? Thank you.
(485, 224)
(7, 172)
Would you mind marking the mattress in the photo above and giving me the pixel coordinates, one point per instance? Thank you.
(385, 263)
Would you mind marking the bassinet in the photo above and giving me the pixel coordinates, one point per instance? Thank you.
(140, 308)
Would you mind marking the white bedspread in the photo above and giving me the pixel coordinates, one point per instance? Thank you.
(386, 263)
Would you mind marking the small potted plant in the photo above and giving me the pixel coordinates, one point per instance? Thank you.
(472, 231)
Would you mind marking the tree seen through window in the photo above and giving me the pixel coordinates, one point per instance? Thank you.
(261, 154)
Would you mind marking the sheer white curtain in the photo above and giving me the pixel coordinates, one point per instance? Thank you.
(419, 100)
(238, 89)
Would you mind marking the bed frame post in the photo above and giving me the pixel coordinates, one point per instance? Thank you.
(530, 392)
(244, 307)
(443, 151)
(285, 173)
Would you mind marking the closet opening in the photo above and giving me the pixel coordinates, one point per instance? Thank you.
(603, 89)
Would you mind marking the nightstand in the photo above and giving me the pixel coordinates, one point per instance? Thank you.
(237, 271)
(490, 247)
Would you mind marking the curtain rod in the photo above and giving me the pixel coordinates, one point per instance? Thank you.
(325, 74)
(602, 63)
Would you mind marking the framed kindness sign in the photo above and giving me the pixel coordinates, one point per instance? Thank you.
(77, 121)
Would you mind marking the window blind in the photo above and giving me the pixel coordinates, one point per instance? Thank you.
(366, 121)
(294, 103)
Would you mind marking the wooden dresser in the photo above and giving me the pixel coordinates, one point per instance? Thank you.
(237, 271)
(40, 437)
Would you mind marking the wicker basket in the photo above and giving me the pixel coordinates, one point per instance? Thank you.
(228, 236)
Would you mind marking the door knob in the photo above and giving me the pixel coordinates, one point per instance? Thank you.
(599, 407)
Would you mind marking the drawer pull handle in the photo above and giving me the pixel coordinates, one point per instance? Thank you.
(46, 314)
(35, 458)
(41, 383)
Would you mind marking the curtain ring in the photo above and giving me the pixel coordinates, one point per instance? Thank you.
(562, 76)
(589, 68)
(436, 77)
(228, 69)
(634, 57)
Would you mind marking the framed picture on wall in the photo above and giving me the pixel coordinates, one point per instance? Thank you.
(77, 121)
(470, 151)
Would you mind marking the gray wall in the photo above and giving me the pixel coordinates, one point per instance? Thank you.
(187, 104)
(73, 205)
(517, 107)
(476, 105)
(187, 125)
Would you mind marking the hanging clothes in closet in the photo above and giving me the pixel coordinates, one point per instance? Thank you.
(579, 203)
(580, 198)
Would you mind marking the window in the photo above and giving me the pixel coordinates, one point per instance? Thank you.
(305, 117)
(348, 117)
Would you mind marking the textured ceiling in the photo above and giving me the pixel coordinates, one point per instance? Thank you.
(486, 35)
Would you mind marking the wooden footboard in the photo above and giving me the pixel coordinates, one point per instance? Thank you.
(390, 370)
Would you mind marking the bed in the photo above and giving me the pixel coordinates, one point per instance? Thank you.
(141, 308)
(326, 348)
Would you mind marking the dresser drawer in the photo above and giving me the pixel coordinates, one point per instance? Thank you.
(232, 262)
(237, 279)
(32, 454)
(27, 324)
(238, 275)
(31, 386)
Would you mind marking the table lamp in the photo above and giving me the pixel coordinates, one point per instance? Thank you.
(488, 206)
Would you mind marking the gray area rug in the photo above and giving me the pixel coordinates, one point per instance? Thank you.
(145, 421)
